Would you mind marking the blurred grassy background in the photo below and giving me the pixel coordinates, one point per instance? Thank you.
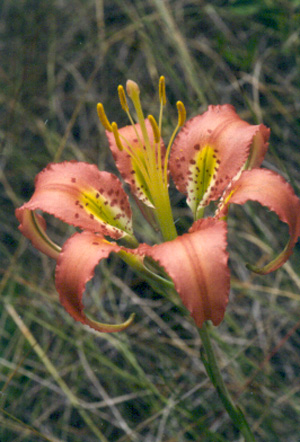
(62, 382)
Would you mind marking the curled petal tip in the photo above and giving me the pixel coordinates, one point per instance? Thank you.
(76, 266)
(272, 191)
(33, 227)
(109, 328)
(255, 269)
(276, 263)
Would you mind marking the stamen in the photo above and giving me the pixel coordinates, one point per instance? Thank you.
(181, 119)
(103, 118)
(156, 131)
(115, 131)
(162, 90)
(122, 98)
(181, 113)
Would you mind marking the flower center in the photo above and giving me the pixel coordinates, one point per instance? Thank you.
(148, 155)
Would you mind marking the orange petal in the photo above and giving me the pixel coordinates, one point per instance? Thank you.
(197, 264)
(271, 190)
(79, 194)
(75, 267)
(128, 166)
(34, 228)
(210, 150)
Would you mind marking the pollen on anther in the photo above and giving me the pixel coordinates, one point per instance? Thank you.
(162, 90)
(122, 98)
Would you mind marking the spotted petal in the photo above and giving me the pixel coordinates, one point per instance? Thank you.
(210, 150)
(197, 264)
(133, 167)
(79, 194)
(75, 267)
(270, 190)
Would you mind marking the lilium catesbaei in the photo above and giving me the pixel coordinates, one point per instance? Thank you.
(215, 157)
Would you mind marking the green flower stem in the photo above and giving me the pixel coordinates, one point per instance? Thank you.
(210, 361)
(213, 371)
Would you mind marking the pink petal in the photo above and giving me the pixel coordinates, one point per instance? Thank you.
(79, 194)
(127, 166)
(75, 267)
(270, 190)
(197, 264)
(34, 228)
(210, 150)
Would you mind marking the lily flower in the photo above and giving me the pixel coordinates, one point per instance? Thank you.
(215, 157)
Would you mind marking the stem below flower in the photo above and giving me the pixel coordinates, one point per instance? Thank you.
(214, 373)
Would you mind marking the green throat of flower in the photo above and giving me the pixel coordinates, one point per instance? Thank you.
(149, 161)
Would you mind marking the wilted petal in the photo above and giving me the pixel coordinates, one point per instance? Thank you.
(33, 226)
(75, 267)
(210, 150)
(79, 194)
(129, 167)
(270, 190)
(197, 264)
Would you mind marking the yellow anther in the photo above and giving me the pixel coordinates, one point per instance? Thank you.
(122, 98)
(162, 90)
(155, 128)
(181, 113)
(103, 118)
(115, 131)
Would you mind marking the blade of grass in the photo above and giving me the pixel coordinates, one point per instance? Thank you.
(53, 372)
